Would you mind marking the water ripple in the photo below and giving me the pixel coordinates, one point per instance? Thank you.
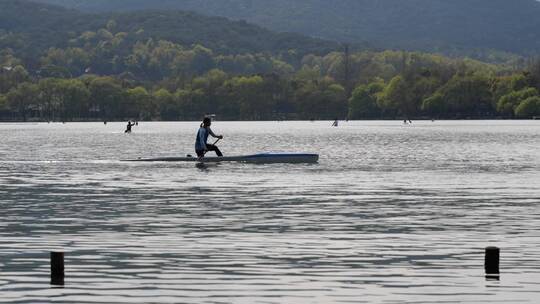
(391, 214)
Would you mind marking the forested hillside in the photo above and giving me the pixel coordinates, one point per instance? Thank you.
(60, 64)
(448, 26)
(29, 28)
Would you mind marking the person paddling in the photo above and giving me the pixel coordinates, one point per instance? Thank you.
(128, 127)
(201, 145)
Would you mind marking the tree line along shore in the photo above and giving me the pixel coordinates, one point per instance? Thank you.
(108, 75)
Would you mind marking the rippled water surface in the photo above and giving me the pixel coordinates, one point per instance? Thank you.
(392, 213)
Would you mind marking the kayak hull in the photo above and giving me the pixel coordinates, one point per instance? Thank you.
(265, 158)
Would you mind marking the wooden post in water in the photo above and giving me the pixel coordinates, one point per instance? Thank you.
(492, 262)
(57, 268)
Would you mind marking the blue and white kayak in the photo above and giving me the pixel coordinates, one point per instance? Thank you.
(255, 158)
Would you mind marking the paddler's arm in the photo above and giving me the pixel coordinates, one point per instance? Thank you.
(214, 135)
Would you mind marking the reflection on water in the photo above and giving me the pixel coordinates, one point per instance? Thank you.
(391, 214)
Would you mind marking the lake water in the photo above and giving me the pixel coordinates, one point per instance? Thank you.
(392, 213)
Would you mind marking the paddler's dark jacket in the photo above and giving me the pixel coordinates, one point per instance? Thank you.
(202, 138)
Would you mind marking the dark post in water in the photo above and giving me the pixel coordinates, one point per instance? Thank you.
(492, 262)
(57, 268)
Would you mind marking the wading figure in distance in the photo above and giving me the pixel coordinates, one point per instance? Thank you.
(128, 127)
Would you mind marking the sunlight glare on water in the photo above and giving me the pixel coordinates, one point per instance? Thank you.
(392, 213)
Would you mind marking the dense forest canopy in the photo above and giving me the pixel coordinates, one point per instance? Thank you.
(60, 64)
(29, 28)
(450, 26)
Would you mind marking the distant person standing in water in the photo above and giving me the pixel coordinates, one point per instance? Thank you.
(201, 145)
(128, 127)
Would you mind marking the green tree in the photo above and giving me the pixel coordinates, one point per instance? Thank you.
(203, 59)
(435, 105)
(465, 95)
(253, 100)
(23, 98)
(50, 97)
(307, 102)
(166, 105)
(397, 97)
(308, 74)
(63, 98)
(106, 96)
(62, 63)
(335, 100)
(189, 103)
(533, 74)
(138, 103)
(529, 107)
(363, 103)
(502, 86)
(11, 77)
(74, 98)
(3, 103)
(322, 98)
(8, 58)
(507, 104)
(163, 54)
(281, 67)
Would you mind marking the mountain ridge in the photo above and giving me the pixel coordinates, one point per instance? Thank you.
(434, 25)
